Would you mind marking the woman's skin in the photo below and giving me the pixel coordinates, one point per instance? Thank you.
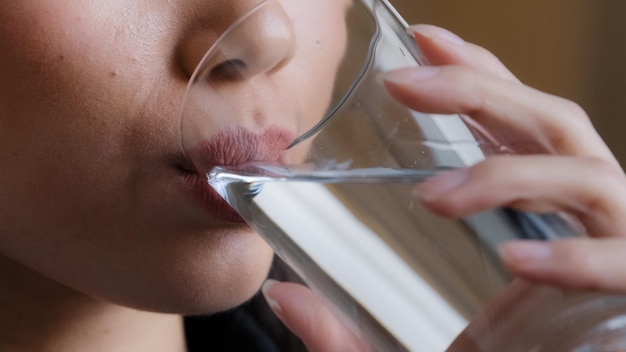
(580, 176)
(101, 216)
(100, 225)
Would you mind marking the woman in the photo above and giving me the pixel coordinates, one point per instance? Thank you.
(103, 219)
(106, 239)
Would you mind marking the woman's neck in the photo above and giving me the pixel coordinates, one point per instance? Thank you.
(38, 314)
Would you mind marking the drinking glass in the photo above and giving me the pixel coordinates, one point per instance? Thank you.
(338, 204)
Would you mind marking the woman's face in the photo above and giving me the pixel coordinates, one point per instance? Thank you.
(96, 192)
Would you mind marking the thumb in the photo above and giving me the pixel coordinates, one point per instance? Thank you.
(309, 318)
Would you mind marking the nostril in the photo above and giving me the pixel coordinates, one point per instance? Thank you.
(228, 70)
(260, 41)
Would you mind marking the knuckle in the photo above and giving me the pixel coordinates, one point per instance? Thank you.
(572, 110)
(584, 263)
(574, 257)
(608, 180)
(491, 64)
(467, 82)
(609, 187)
(482, 52)
(570, 119)
(600, 166)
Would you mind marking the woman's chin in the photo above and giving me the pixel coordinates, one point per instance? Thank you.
(208, 285)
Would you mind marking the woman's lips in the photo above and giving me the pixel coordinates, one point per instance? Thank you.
(230, 148)
(215, 205)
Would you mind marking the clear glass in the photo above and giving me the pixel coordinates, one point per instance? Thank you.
(337, 202)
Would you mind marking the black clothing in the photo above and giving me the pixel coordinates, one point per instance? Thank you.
(249, 327)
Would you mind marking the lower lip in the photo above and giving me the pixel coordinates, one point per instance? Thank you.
(211, 200)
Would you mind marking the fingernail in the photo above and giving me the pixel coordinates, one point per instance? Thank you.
(439, 185)
(405, 76)
(267, 285)
(525, 252)
(435, 33)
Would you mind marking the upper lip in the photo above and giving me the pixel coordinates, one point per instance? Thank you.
(238, 146)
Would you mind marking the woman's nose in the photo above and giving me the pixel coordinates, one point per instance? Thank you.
(260, 39)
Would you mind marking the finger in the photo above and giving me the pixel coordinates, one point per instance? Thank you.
(591, 189)
(517, 114)
(582, 263)
(497, 326)
(442, 47)
(309, 318)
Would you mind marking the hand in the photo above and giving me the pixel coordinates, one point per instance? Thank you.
(562, 163)
(580, 176)
(309, 318)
